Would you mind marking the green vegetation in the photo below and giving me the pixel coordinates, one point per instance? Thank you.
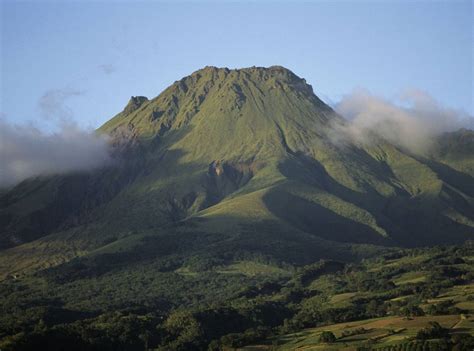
(227, 151)
(327, 305)
(327, 337)
(363, 315)
(233, 215)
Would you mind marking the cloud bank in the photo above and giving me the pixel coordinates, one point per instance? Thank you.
(411, 122)
(26, 151)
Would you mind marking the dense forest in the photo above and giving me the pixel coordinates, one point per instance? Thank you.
(260, 303)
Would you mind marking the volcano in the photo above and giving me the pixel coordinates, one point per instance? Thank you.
(228, 164)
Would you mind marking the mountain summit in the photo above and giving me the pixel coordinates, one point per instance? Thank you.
(246, 106)
(226, 164)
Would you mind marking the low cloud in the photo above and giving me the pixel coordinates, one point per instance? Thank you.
(410, 122)
(26, 151)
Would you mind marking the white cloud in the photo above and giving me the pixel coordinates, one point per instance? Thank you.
(411, 124)
(26, 151)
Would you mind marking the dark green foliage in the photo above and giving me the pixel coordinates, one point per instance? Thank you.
(327, 336)
(311, 272)
(444, 307)
(434, 331)
(411, 310)
(170, 311)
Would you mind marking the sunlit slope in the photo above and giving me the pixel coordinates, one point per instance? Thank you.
(255, 128)
(456, 150)
(222, 151)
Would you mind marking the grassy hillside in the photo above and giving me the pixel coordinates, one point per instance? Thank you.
(226, 150)
(227, 180)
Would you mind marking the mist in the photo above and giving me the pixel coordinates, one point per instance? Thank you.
(27, 151)
(410, 122)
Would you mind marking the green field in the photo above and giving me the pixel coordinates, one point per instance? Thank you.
(377, 333)
(392, 331)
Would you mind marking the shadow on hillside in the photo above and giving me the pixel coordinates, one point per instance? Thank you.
(307, 170)
(68, 200)
(313, 218)
(409, 221)
(188, 244)
(451, 176)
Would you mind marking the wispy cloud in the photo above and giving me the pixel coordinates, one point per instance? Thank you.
(410, 122)
(52, 103)
(26, 151)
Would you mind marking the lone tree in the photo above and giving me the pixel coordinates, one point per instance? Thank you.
(327, 336)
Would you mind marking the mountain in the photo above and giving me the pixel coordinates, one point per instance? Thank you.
(235, 208)
(231, 165)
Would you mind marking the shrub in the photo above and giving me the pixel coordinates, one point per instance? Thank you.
(327, 336)
(433, 331)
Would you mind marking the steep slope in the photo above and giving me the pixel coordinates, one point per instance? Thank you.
(455, 150)
(245, 160)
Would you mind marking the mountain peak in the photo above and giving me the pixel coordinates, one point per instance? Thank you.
(273, 77)
(243, 98)
(251, 69)
(134, 103)
(254, 72)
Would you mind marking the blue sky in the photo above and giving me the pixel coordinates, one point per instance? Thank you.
(94, 55)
